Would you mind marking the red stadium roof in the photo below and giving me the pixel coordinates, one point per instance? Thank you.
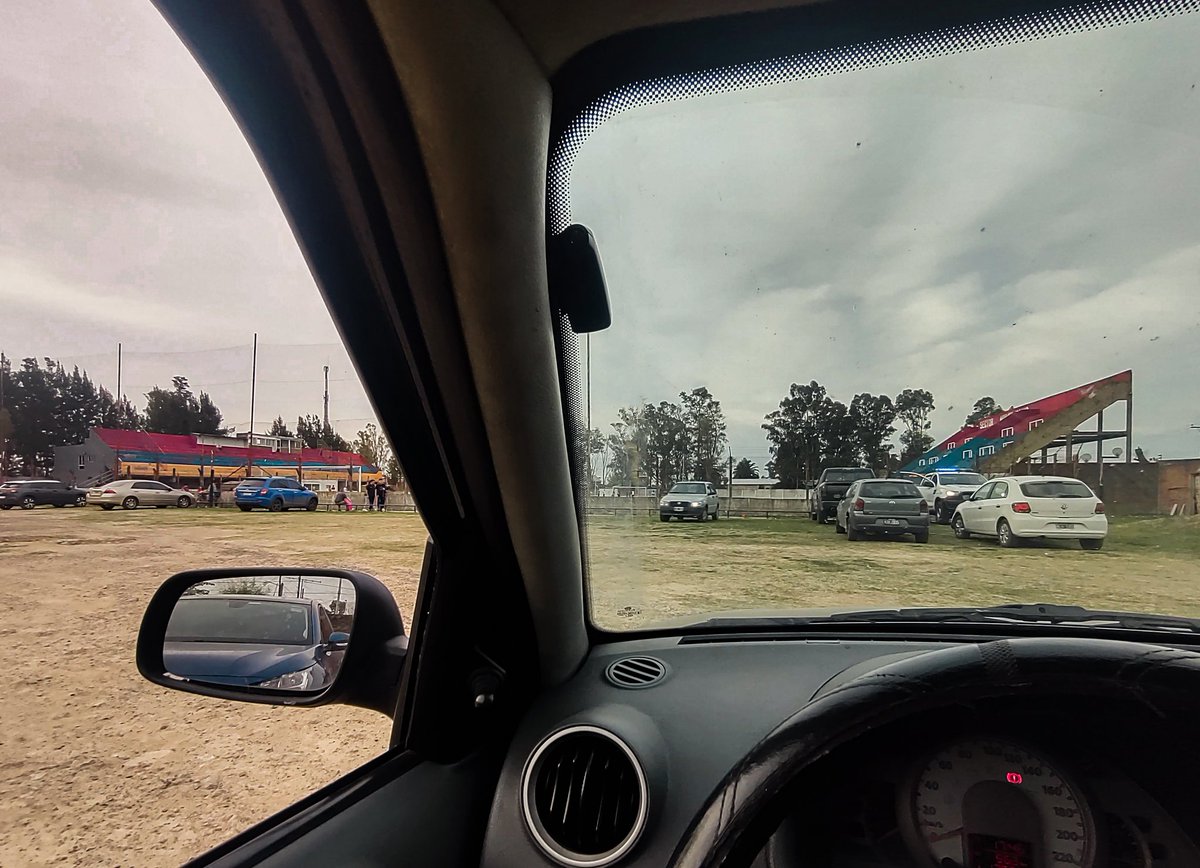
(120, 439)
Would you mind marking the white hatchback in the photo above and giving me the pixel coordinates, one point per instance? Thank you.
(1013, 508)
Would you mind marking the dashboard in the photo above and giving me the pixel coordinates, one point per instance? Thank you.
(612, 767)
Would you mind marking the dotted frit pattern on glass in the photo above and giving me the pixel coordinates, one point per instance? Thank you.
(900, 49)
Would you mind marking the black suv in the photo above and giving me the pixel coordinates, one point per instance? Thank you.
(831, 488)
(28, 493)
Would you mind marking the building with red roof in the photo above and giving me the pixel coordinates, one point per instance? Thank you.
(114, 453)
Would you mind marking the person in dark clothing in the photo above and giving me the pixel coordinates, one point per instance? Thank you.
(371, 496)
(214, 493)
(381, 494)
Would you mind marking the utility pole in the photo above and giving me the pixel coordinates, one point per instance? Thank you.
(730, 479)
(327, 396)
(118, 374)
(253, 380)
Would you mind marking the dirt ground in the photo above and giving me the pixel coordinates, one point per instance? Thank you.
(98, 767)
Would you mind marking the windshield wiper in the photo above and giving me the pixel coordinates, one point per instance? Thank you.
(1010, 613)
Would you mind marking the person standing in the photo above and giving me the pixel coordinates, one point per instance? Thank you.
(381, 494)
(371, 496)
(214, 492)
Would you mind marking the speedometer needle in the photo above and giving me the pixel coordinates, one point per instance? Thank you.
(942, 836)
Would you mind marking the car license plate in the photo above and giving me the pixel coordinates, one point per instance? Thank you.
(891, 521)
(679, 509)
(1064, 525)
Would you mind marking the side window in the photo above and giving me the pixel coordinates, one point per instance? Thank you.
(1000, 490)
(158, 486)
(985, 492)
(275, 483)
(142, 486)
(326, 624)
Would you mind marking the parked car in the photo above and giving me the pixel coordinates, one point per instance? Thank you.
(28, 493)
(132, 493)
(254, 640)
(696, 500)
(1013, 508)
(831, 487)
(883, 507)
(276, 493)
(946, 489)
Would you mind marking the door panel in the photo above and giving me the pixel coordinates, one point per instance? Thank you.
(425, 815)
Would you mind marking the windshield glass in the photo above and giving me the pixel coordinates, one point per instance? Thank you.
(256, 621)
(953, 259)
(962, 479)
(889, 490)
(1055, 488)
(847, 475)
(687, 488)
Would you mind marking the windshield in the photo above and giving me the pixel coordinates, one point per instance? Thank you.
(847, 475)
(267, 622)
(1055, 488)
(891, 490)
(962, 479)
(687, 488)
(956, 259)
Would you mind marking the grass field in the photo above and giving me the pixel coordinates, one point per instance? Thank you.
(99, 767)
(643, 571)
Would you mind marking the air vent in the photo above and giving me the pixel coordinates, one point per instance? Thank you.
(584, 797)
(635, 672)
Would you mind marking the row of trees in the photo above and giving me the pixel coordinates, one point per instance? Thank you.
(43, 405)
(659, 444)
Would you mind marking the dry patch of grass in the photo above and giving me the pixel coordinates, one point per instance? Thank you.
(642, 570)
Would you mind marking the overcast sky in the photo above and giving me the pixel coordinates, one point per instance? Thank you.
(1010, 222)
(132, 210)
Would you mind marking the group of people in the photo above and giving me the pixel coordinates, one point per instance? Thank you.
(377, 493)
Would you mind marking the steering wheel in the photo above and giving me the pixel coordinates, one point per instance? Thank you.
(740, 815)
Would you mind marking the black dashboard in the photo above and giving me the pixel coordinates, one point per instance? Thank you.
(612, 768)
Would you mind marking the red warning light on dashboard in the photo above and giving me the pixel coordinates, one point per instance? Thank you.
(1014, 777)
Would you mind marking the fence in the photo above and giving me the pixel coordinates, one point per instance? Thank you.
(774, 502)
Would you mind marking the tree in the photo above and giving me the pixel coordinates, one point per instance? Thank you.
(372, 446)
(178, 411)
(913, 407)
(871, 422)
(794, 432)
(279, 428)
(984, 407)
(317, 435)
(704, 426)
(745, 469)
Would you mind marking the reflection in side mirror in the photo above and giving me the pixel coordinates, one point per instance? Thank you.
(283, 632)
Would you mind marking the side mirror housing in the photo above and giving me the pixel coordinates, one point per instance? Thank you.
(253, 635)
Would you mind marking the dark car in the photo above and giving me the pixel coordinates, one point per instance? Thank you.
(883, 507)
(254, 640)
(831, 487)
(28, 493)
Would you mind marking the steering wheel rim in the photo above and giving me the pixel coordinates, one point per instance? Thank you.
(724, 833)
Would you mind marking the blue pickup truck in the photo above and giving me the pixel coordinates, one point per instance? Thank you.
(276, 493)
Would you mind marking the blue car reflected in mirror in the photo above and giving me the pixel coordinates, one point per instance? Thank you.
(274, 632)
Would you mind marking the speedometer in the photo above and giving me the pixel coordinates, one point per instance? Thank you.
(989, 803)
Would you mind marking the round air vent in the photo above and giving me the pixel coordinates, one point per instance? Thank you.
(583, 793)
(635, 672)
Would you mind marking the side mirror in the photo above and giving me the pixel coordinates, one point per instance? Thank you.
(254, 635)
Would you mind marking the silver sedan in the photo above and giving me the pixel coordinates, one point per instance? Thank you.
(883, 507)
(132, 493)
